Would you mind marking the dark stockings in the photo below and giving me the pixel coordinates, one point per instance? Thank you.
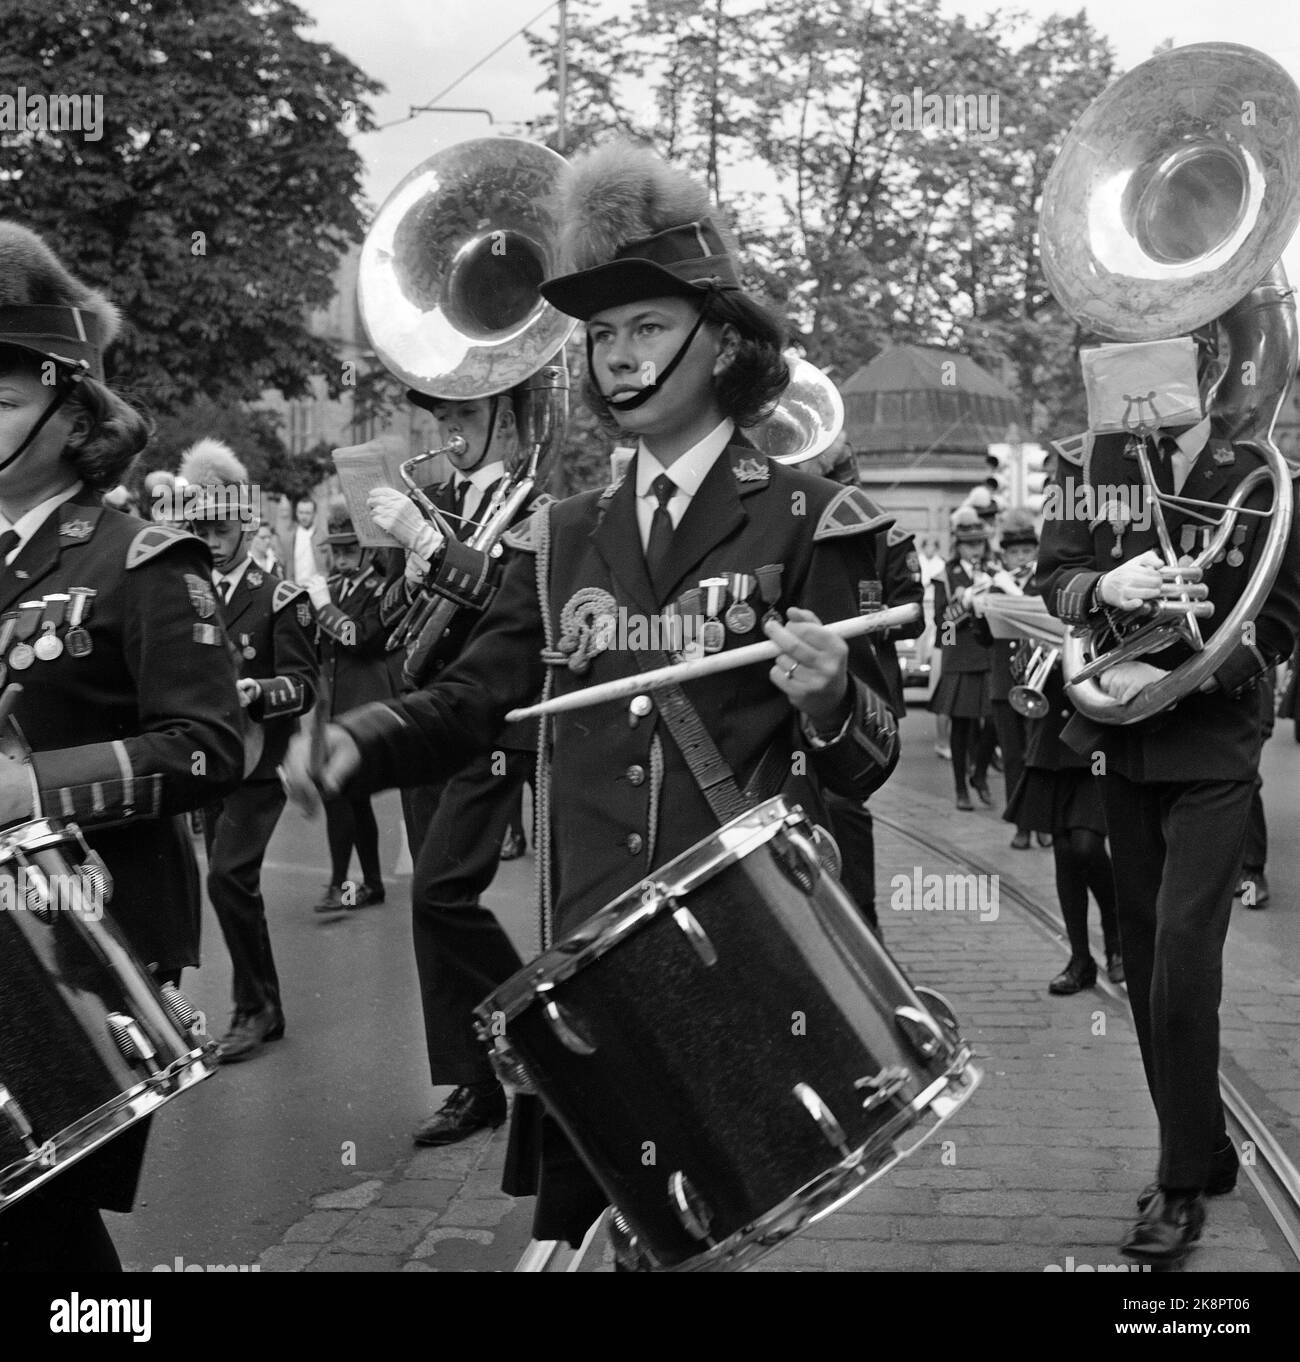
(350, 822)
(1082, 864)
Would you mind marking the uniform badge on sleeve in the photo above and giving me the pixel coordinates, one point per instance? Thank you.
(304, 614)
(202, 597)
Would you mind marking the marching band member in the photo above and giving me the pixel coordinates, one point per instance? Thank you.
(680, 359)
(355, 672)
(963, 689)
(456, 826)
(1176, 788)
(272, 627)
(128, 702)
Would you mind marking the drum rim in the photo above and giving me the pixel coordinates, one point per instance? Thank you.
(133, 1103)
(630, 910)
(38, 834)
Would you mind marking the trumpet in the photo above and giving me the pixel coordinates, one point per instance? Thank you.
(1028, 698)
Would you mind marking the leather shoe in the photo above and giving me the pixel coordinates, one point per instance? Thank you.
(981, 788)
(333, 900)
(513, 845)
(248, 1031)
(1253, 889)
(464, 1112)
(964, 804)
(1020, 842)
(366, 896)
(1044, 839)
(1224, 1164)
(1077, 975)
(1115, 967)
(1168, 1227)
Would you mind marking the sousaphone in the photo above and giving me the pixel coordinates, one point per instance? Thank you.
(1168, 208)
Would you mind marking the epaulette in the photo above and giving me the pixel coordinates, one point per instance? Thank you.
(284, 593)
(1074, 448)
(851, 511)
(152, 541)
(540, 500)
(521, 537)
(897, 536)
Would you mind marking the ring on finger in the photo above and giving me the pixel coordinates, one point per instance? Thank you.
(791, 669)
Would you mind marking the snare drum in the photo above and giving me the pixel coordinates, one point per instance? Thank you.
(89, 1044)
(729, 1048)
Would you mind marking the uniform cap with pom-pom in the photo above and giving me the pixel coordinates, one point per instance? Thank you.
(967, 526)
(216, 484)
(1018, 528)
(46, 309)
(341, 528)
(632, 227)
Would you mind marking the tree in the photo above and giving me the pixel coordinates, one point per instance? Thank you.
(219, 195)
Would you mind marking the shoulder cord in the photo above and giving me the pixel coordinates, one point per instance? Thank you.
(542, 783)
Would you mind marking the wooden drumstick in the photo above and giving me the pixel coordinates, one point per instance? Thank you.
(892, 618)
(7, 702)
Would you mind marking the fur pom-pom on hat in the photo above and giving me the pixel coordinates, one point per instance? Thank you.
(47, 309)
(1018, 527)
(210, 463)
(631, 227)
(216, 484)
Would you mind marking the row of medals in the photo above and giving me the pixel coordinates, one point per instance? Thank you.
(710, 599)
(45, 616)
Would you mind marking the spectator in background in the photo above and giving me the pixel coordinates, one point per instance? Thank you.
(301, 546)
(264, 553)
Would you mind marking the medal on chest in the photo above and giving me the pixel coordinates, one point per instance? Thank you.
(78, 636)
(713, 635)
(246, 647)
(740, 617)
(49, 645)
(22, 655)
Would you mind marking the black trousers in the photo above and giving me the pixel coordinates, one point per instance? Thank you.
(1175, 848)
(461, 951)
(853, 829)
(237, 831)
(1010, 728)
(1254, 854)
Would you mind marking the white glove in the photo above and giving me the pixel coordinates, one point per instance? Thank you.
(396, 514)
(318, 590)
(249, 690)
(417, 568)
(1146, 578)
(1005, 582)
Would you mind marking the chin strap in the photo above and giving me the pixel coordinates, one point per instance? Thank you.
(62, 392)
(646, 393)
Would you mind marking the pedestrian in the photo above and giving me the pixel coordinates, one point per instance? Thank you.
(272, 628)
(128, 706)
(681, 360)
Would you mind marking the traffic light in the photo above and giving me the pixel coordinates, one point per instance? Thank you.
(1035, 477)
(1000, 477)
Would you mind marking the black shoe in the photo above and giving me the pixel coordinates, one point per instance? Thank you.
(964, 804)
(1168, 1227)
(981, 788)
(1077, 975)
(333, 900)
(995, 761)
(513, 845)
(1253, 889)
(248, 1031)
(464, 1112)
(1044, 838)
(1020, 842)
(1115, 967)
(1224, 1164)
(367, 896)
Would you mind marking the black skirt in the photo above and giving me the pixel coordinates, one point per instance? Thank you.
(963, 695)
(1056, 801)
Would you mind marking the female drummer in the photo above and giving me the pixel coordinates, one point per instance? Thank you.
(680, 360)
(128, 713)
(964, 691)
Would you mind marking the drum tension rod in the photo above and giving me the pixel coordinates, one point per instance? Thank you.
(17, 1118)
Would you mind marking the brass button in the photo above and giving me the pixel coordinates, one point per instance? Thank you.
(641, 705)
(634, 843)
(636, 775)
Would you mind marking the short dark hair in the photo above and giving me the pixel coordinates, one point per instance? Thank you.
(108, 432)
(752, 383)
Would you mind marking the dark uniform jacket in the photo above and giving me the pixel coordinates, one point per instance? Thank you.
(352, 637)
(971, 647)
(897, 579)
(1213, 736)
(272, 627)
(143, 725)
(623, 800)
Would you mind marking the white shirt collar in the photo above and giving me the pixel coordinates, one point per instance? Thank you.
(689, 470)
(30, 521)
(236, 575)
(1194, 438)
(483, 476)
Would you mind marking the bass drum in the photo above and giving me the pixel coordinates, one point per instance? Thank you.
(89, 1044)
(729, 1048)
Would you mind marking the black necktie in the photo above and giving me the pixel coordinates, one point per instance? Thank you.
(1164, 464)
(660, 542)
(458, 506)
(227, 588)
(8, 543)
